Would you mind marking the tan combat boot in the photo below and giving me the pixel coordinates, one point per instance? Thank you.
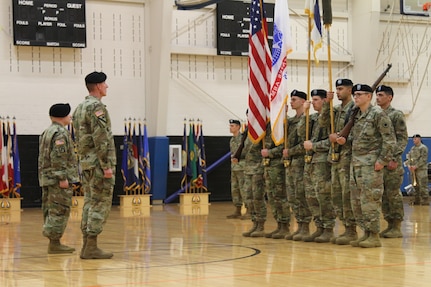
(235, 214)
(282, 232)
(395, 232)
(251, 230)
(355, 243)
(269, 234)
(310, 238)
(372, 241)
(390, 225)
(91, 250)
(349, 235)
(305, 231)
(259, 230)
(290, 235)
(84, 243)
(55, 247)
(326, 236)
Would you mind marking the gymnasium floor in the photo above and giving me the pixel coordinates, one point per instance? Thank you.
(173, 246)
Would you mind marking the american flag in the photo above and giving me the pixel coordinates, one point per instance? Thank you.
(259, 65)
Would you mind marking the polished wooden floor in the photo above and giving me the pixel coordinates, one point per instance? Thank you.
(173, 246)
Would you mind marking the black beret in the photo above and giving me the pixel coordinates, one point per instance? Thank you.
(343, 82)
(299, 94)
(362, 88)
(416, 136)
(388, 90)
(95, 78)
(59, 110)
(318, 92)
(234, 122)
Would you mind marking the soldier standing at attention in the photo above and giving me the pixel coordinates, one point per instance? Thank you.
(96, 150)
(237, 169)
(57, 166)
(373, 140)
(417, 164)
(392, 200)
(275, 185)
(317, 172)
(340, 157)
(293, 157)
(254, 188)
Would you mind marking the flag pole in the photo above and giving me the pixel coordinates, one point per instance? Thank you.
(307, 112)
(331, 103)
(327, 21)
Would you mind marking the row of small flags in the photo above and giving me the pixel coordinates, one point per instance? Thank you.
(194, 169)
(10, 171)
(135, 165)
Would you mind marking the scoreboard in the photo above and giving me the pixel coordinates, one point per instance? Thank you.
(233, 27)
(49, 23)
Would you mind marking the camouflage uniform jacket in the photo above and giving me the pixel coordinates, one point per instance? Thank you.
(373, 138)
(418, 156)
(341, 117)
(253, 157)
(234, 143)
(57, 159)
(94, 135)
(274, 152)
(399, 123)
(319, 137)
(295, 143)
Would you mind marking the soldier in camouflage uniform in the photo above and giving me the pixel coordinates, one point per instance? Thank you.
(417, 164)
(340, 157)
(254, 188)
(293, 158)
(317, 172)
(96, 152)
(274, 176)
(57, 170)
(237, 170)
(373, 140)
(392, 200)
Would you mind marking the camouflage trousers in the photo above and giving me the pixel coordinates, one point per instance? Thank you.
(98, 193)
(295, 190)
(275, 186)
(255, 200)
(421, 190)
(237, 187)
(56, 203)
(366, 187)
(317, 184)
(392, 199)
(340, 191)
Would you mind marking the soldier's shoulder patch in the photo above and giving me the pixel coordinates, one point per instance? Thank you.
(59, 142)
(99, 113)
